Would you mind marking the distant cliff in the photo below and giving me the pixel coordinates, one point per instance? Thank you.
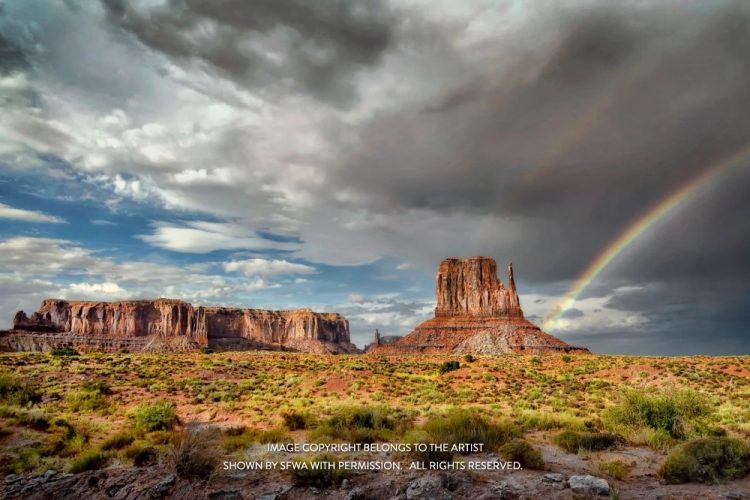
(166, 324)
(475, 314)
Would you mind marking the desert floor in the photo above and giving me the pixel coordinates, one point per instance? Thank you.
(124, 425)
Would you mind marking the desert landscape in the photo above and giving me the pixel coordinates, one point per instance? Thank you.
(119, 424)
(478, 378)
(248, 249)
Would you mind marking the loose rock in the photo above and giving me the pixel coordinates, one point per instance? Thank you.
(588, 485)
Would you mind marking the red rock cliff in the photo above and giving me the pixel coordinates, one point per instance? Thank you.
(302, 329)
(476, 314)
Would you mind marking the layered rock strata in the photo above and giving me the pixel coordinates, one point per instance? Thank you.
(476, 314)
(165, 324)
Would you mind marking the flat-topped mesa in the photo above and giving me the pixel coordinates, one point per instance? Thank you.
(475, 314)
(177, 325)
(471, 287)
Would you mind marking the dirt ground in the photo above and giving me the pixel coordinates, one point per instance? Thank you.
(253, 390)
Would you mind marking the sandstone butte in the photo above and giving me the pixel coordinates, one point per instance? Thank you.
(475, 314)
(172, 325)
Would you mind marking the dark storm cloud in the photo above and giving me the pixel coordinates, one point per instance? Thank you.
(572, 313)
(318, 46)
(683, 316)
(12, 57)
(682, 319)
(622, 107)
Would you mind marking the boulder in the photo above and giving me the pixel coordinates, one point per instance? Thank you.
(588, 485)
(427, 487)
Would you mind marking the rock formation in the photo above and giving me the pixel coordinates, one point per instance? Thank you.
(165, 324)
(381, 340)
(476, 314)
(470, 288)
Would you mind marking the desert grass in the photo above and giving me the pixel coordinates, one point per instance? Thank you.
(60, 411)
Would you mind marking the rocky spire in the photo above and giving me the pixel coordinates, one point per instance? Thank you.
(376, 337)
(515, 302)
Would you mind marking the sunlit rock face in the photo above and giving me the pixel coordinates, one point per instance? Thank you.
(476, 314)
(471, 288)
(177, 325)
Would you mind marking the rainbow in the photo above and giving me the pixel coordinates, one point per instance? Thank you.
(680, 196)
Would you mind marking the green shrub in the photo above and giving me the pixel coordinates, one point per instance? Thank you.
(89, 460)
(360, 424)
(707, 460)
(142, 454)
(70, 431)
(616, 469)
(238, 438)
(86, 401)
(36, 419)
(194, 454)
(361, 417)
(469, 358)
(97, 386)
(294, 420)
(160, 437)
(573, 441)
(28, 459)
(448, 366)
(463, 426)
(544, 420)
(118, 441)
(658, 439)
(15, 391)
(519, 450)
(206, 350)
(318, 477)
(677, 412)
(64, 351)
(277, 435)
(155, 416)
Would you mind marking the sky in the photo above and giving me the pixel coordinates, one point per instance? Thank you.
(329, 154)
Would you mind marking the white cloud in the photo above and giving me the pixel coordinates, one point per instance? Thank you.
(36, 268)
(13, 82)
(204, 237)
(8, 212)
(202, 176)
(108, 289)
(592, 313)
(116, 118)
(128, 188)
(263, 267)
(390, 313)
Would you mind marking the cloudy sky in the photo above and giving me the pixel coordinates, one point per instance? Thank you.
(329, 153)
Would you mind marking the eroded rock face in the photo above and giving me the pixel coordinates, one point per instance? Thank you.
(476, 314)
(172, 323)
(470, 288)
